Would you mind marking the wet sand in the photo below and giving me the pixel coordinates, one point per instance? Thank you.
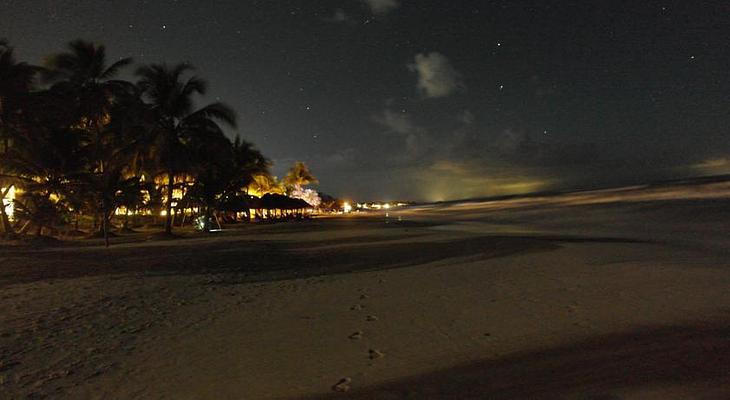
(587, 301)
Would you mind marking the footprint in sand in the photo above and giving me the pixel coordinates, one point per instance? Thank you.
(375, 354)
(343, 385)
(357, 307)
(356, 336)
(371, 318)
(363, 296)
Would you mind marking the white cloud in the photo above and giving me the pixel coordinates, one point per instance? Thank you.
(397, 122)
(382, 6)
(436, 76)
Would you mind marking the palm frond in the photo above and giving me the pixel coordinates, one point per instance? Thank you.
(194, 85)
(215, 111)
(114, 69)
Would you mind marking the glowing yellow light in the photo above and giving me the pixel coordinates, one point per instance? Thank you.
(8, 201)
(386, 206)
(347, 207)
(163, 213)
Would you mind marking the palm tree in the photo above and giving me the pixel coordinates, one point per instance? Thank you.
(16, 82)
(109, 110)
(247, 163)
(81, 75)
(48, 165)
(299, 175)
(264, 183)
(129, 195)
(177, 124)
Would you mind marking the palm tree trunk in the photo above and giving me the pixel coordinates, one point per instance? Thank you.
(8, 231)
(168, 205)
(25, 228)
(105, 226)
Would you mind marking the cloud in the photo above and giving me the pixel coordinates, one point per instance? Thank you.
(510, 141)
(338, 16)
(447, 179)
(416, 143)
(466, 117)
(345, 156)
(436, 76)
(381, 7)
(713, 166)
(397, 122)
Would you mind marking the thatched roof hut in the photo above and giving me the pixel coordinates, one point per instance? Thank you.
(238, 203)
(270, 206)
(278, 201)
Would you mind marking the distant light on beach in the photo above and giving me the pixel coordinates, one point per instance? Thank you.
(347, 207)
(381, 206)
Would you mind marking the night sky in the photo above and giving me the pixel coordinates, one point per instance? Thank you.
(436, 100)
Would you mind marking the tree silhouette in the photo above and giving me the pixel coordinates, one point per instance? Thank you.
(16, 82)
(82, 78)
(81, 142)
(299, 175)
(177, 124)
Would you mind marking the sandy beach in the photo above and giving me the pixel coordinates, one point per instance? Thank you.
(542, 299)
(368, 199)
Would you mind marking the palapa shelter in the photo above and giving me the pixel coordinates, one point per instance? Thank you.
(270, 206)
(274, 206)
